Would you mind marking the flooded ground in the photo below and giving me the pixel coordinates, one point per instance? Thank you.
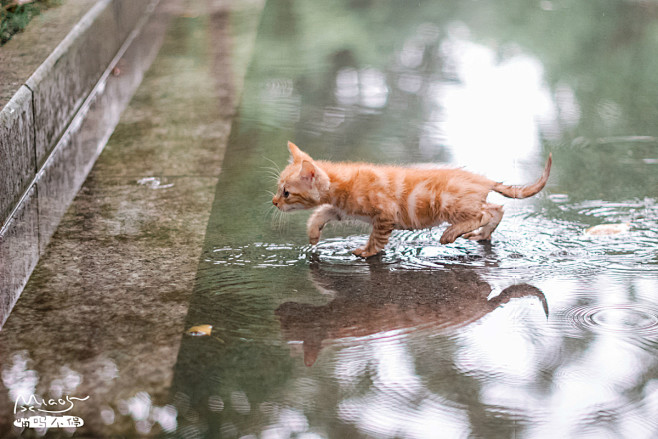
(547, 331)
(544, 332)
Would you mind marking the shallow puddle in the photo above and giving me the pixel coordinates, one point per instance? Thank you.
(544, 332)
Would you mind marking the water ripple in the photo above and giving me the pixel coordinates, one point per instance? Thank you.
(638, 319)
(528, 238)
(258, 255)
(532, 239)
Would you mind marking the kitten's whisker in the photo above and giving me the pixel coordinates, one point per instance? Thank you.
(270, 169)
(278, 219)
(273, 175)
(276, 166)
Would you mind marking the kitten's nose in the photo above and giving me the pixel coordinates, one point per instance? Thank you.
(274, 202)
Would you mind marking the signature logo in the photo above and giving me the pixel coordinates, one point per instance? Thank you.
(46, 406)
(43, 422)
(33, 405)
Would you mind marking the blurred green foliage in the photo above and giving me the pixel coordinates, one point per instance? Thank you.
(15, 15)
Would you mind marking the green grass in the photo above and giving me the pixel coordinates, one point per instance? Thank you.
(16, 14)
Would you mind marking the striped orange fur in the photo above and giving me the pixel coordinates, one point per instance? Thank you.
(394, 197)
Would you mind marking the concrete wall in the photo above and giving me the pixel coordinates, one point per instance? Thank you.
(63, 85)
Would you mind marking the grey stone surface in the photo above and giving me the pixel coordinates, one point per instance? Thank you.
(174, 137)
(114, 282)
(68, 166)
(94, 103)
(73, 157)
(64, 80)
(128, 13)
(19, 243)
(138, 56)
(17, 156)
(23, 54)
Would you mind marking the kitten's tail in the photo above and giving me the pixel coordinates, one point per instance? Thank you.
(518, 291)
(528, 190)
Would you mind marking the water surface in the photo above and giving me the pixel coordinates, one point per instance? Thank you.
(544, 332)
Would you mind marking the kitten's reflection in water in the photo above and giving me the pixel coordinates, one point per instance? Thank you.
(383, 299)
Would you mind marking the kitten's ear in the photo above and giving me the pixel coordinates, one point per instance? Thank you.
(294, 149)
(308, 171)
(296, 154)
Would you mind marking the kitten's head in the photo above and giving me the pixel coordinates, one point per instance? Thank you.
(302, 184)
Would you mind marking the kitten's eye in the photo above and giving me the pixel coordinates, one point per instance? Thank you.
(286, 194)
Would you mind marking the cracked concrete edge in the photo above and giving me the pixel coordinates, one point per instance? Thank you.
(36, 191)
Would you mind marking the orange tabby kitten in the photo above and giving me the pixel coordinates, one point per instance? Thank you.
(393, 197)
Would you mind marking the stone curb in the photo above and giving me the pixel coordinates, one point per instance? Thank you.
(63, 81)
(55, 126)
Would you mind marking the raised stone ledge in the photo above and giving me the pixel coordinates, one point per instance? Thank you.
(58, 120)
(17, 151)
(66, 77)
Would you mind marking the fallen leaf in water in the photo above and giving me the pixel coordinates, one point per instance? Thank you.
(200, 330)
(608, 229)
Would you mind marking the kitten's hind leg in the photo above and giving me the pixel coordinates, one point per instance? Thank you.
(484, 233)
(319, 219)
(465, 226)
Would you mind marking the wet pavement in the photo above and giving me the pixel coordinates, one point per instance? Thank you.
(117, 277)
(547, 331)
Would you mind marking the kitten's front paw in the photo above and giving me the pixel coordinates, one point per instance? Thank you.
(314, 236)
(363, 252)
